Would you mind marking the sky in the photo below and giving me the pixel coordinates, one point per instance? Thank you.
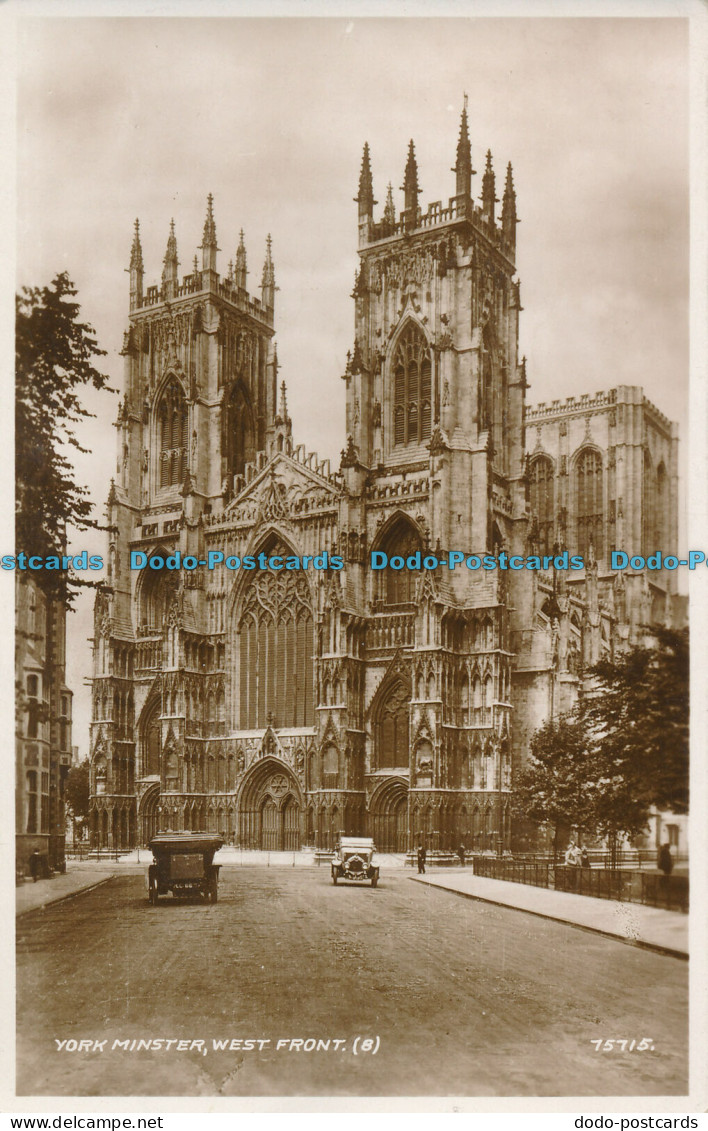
(128, 117)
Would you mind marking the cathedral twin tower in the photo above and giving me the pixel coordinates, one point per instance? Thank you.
(282, 707)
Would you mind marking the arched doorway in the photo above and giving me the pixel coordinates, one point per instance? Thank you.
(148, 813)
(389, 816)
(270, 807)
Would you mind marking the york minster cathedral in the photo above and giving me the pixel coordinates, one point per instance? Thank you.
(282, 707)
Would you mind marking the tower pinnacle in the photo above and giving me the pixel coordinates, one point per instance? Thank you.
(268, 279)
(365, 196)
(209, 248)
(410, 181)
(136, 269)
(171, 264)
(508, 217)
(241, 268)
(489, 198)
(463, 165)
(389, 214)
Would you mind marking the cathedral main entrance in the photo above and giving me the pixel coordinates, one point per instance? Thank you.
(270, 807)
(388, 815)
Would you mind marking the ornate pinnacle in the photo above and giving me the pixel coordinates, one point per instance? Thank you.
(171, 252)
(268, 279)
(209, 235)
(365, 197)
(136, 251)
(241, 254)
(463, 165)
(389, 214)
(283, 403)
(195, 265)
(410, 179)
(489, 198)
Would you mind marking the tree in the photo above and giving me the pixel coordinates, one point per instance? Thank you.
(54, 354)
(624, 751)
(77, 793)
(556, 786)
(639, 717)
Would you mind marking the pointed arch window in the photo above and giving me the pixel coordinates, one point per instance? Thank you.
(412, 388)
(172, 421)
(392, 728)
(541, 501)
(397, 586)
(588, 493)
(239, 442)
(276, 650)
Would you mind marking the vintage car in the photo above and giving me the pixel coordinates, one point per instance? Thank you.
(183, 863)
(354, 860)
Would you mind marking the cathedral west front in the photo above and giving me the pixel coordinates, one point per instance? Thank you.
(281, 707)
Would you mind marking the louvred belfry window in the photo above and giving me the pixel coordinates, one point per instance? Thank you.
(412, 388)
(172, 417)
(588, 485)
(541, 501)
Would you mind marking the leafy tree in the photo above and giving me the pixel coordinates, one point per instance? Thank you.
(639, 717)
(556, 786)
(77, 791)
(625, 750)
(54, 355)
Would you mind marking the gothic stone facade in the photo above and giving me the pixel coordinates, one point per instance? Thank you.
(283, 707)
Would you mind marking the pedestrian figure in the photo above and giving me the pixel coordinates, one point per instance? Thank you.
(34, 864)
(461, 854)
(572, 863)
(422, 855)
(665, 860)
(584, 858)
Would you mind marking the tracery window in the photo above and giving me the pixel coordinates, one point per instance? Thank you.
(660, 507)
(412, 388)
(392, 728)
(397, 586)
(589, 509)
(172, 417)
(541, 501)
(276, 649)
(648, 506)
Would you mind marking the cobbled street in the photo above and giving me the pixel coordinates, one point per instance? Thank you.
(460, 997)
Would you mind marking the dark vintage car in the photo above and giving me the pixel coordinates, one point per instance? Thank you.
(184, 864)
(354, 860)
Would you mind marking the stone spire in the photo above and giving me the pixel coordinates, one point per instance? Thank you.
(241, 268)
(136, 269)
(463, 165)
(410, 181)
(283, 412)
(268, 279)
(489, 198)
(365, 197)
(508, 217)
(170, 279)
(209, 248)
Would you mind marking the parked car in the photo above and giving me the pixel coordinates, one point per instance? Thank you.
(184, 864)
(354, 860)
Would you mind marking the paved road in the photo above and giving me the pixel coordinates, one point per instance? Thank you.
(465, 998)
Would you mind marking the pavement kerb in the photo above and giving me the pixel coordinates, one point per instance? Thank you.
(657, 948)
(53, 899)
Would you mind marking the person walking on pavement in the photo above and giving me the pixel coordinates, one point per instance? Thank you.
(421, 860)
(461, 854)
(664, 860)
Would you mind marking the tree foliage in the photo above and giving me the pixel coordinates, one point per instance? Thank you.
(54, 355)
(624, 750)
(77, 791)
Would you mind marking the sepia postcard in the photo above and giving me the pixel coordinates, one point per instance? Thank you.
(360, 480)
